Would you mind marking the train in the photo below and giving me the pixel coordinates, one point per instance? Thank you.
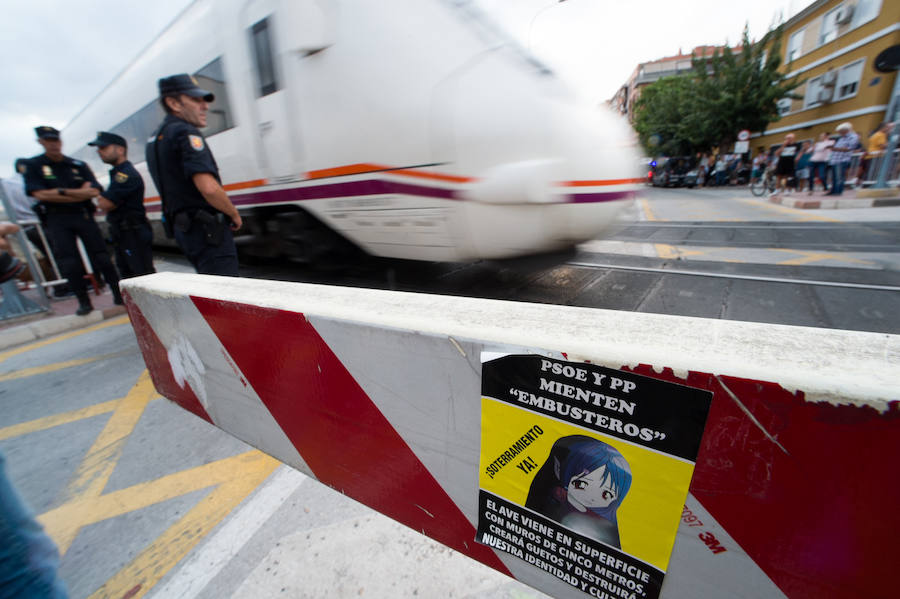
(417, 130)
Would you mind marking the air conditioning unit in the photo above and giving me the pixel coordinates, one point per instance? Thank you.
(845, 13)
(824, 95)
(829, 79)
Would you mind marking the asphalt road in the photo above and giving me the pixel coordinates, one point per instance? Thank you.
(717, 253)
(144, 499)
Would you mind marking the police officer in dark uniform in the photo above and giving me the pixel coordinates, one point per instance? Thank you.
(195, 206)
(64, 189)
(123, 202)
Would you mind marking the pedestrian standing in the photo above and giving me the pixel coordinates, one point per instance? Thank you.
(64, 188)
(123, 202)
(803, 162)
(196, 208)
(786, 166)
(875, 147)
(841, 154)
(818, 164)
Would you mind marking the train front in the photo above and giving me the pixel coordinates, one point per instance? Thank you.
(548, 171)
(467, 146)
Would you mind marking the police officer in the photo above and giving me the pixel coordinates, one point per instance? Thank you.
(123, 202)
(195, 206)
(64, 188)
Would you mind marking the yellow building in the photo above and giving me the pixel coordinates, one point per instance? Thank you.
(833, 44)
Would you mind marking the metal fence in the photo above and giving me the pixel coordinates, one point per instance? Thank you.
(863, 172)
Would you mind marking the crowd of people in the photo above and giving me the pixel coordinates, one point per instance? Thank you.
(721, 169)
(824, 162)
(61, 195)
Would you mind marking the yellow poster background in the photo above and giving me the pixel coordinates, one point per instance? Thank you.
(648, 516)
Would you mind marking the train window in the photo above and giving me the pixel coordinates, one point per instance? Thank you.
(261, 44)
(219, 118)
(88, 155)
(137, 128)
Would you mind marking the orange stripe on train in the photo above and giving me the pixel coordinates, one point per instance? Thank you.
(357, 169)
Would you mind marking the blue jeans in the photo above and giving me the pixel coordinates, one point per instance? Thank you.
(821, 169)
(28, 558)
(840, 175)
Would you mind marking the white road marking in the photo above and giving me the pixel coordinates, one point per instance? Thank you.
(209, 559)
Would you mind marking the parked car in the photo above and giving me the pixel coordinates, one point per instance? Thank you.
(690, 178)
(671, 172)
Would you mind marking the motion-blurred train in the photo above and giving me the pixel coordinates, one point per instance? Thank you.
(413, 129)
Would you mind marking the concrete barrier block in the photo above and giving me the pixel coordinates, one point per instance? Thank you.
(712, 458)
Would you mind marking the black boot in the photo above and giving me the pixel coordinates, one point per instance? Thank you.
(117, 295)
(84, 305)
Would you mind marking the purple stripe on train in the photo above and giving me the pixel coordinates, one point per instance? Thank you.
(380, 187)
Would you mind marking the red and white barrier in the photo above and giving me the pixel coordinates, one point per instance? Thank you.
(410, 403)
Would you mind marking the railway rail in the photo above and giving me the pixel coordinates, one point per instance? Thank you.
(846, 237)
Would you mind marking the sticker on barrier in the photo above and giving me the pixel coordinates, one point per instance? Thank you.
(584, 469)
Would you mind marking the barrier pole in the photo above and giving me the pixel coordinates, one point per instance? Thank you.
(583, 452)
(36, 274)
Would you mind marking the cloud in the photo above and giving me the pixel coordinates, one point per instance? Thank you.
(64, 54)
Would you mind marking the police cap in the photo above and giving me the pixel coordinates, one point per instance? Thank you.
(45, 132)
(183, 84)
(105, 138)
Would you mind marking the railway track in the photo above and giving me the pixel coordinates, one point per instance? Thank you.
(835, 237)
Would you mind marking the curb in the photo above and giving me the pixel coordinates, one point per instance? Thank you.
(834, 202)
(54, 325)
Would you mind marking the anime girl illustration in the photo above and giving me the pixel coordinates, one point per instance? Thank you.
(581, 485)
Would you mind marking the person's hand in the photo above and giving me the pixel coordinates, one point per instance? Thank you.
(92, 192)
(104, 205)
(236, 222)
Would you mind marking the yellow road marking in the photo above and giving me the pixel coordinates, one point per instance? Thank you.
(26, 372)
(806, 216)
(64, 522)
(98, 464)
(648, 212)
(665, 250)
(37, 344)
(139, 577)
(808, 257)
(671, 251)
(33, 426)
(234, 478)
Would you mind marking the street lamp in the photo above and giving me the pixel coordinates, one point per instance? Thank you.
(536, 15)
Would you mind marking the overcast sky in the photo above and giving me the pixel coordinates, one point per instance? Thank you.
(58, 54)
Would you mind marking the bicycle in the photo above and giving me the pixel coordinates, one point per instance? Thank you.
(765, 184)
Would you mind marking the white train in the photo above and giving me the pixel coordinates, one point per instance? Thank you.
(415, 129)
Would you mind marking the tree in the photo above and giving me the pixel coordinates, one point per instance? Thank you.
(720, 96)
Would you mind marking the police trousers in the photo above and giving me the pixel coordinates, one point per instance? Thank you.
(63, 229)
(208, 259)
(134, 252)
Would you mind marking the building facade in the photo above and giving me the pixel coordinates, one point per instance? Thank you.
(832, 44)
(648, 72)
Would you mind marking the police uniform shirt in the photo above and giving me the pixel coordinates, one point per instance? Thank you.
(68, 173)
(126, 191)
(175, 154)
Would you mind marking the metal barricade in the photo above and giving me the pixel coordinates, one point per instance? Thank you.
(14, 304)
(873, 168)
(853, 179)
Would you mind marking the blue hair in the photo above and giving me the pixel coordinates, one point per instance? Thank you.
(589, 454)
